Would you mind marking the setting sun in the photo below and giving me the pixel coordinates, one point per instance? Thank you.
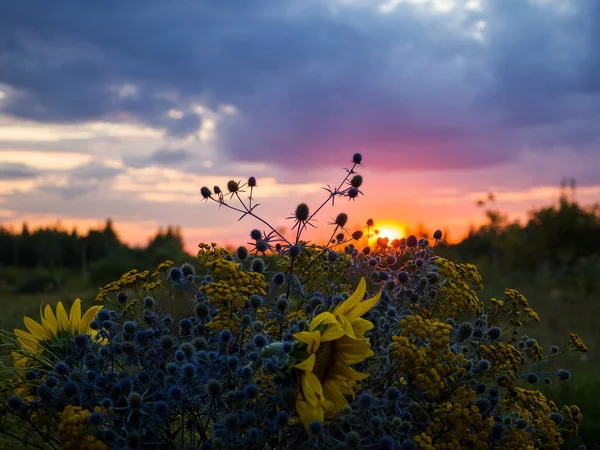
(389, 230)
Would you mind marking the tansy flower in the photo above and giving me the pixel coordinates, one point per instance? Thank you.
(334, 342)
(51, 328)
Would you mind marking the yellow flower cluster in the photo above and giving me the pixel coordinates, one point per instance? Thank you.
(127, 280)
(72, 430)
(534, 353)
(134, 279)
(573, 417)
(505, 359)
(519, 301)
(513, 307)
(576, 343)
(229, 289)
(535, 408)
(456, 425)
(210, 252)
(155, 282)
(457, 294)
(423, 350)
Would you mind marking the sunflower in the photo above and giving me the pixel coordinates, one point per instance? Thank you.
(335, 340)
(51, 330)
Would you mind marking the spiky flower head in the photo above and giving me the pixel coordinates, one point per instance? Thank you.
(205, 192)
(233, 186)
(411, 241)
(188, 269)
(262, 246)
(494, 333)
(465, 331)
(279, 278)
(301, 214)
(352, 193)
(356, 181)
(295, 251)
(242, 253)
(341, 220)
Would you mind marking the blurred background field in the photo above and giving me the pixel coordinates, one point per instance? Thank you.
(553, 259)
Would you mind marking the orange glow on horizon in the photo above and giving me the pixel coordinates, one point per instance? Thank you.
(390, 230)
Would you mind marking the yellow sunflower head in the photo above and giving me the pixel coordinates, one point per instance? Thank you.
(335, 340)
(51, 330)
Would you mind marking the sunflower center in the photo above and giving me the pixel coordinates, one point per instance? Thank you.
(324, 359)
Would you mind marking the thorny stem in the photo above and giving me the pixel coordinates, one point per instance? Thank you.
(322, 251)
(331, 195)
(291, 271)
(249, 212)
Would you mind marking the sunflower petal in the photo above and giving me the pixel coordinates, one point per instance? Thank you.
(361, 326)
(332, 333)
(343, 372)
(363, 307)
(37, 330)
(346, 326)
(353, 350)
(27, 340)
(49, 321)
(331, 391)
(311, 388)
(325, 318)
(75, 316)
(308, 413)
(61, 317)
(312, 339)
(87, 318)
(344, 307)
(308, 364)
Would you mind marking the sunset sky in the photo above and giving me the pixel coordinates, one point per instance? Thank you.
(125, 109)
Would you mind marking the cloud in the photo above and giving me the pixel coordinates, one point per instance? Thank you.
(169, 157)
(17, 171)
(161, 157)
(416, 85)
(94, 171)
(47, 160)
(185, 125)
(92, 177)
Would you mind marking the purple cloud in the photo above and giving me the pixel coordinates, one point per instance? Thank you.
(314, 81)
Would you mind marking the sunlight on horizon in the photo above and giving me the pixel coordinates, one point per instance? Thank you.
(390, 230)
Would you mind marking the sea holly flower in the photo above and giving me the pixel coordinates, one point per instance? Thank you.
(334, 342)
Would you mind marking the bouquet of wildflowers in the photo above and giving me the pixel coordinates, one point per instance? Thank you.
(288, 345)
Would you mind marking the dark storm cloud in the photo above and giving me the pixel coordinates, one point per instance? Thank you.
(313, 80)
